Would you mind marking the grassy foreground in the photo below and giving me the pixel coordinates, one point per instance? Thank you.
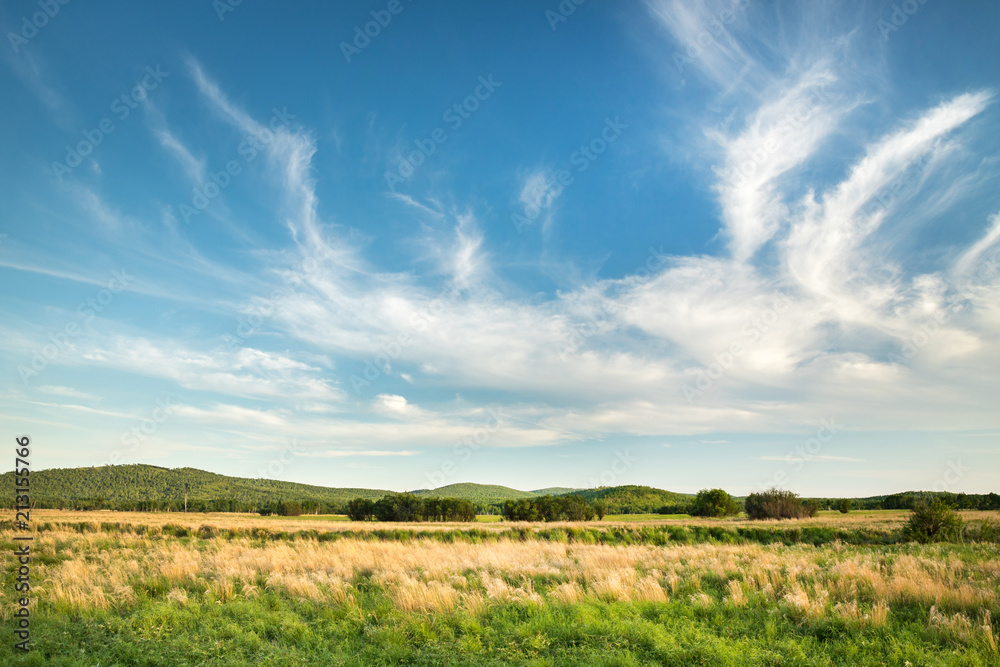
(113, 597)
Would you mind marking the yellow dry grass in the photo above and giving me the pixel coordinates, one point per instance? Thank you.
(882, 519)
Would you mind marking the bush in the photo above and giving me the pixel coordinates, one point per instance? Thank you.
(844, 505)
(777, 504)
(207, 532)
(715, 503)
(933, 521)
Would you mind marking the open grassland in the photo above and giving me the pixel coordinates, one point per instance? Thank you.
(227, 595)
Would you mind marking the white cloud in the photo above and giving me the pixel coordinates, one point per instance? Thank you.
(67, 391)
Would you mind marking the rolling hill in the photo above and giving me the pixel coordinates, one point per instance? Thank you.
(126, 485)
(148, 487)
(555, 491)
(483, 494)
(636, 499)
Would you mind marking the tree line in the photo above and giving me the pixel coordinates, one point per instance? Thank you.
(408, 507)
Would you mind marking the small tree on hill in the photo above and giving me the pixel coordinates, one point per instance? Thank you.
(600, 509)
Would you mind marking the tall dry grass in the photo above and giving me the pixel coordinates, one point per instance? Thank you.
(858, 585)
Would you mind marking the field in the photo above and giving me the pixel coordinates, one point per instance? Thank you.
(174, 589)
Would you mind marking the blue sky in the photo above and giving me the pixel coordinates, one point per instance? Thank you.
(654, 242)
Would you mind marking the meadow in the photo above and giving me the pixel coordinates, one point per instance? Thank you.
(174, 589)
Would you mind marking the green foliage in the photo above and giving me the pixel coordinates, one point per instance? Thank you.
(480, 494)
(600, 509)
(778, 504)
(549, 508)
(288, 508)
(152, 488)
(844, 505)
(361, 509)
(933, 521)
(410, 507)
(714, 503)
(906, 500)
(633, 499)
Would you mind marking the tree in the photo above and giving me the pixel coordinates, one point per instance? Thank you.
(714, 503)
(399, 507)
(361, 509)
(778, 504)
(844, 505)
(933, 521)
(288, 508)
(600, 509)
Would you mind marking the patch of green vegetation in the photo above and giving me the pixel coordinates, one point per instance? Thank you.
(482, 494)
(272, 629)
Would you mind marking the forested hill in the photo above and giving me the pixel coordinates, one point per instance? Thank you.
(147, 487)
(633, 499)
(152, 487)
(480, 494)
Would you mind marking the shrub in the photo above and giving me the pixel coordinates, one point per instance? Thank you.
(600, 509)
(715, 503)
(844, 505)
(933, 521)
(207, 532)
(778, 504)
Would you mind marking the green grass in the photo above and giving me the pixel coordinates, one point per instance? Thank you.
(278, 628)
(273, 630)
